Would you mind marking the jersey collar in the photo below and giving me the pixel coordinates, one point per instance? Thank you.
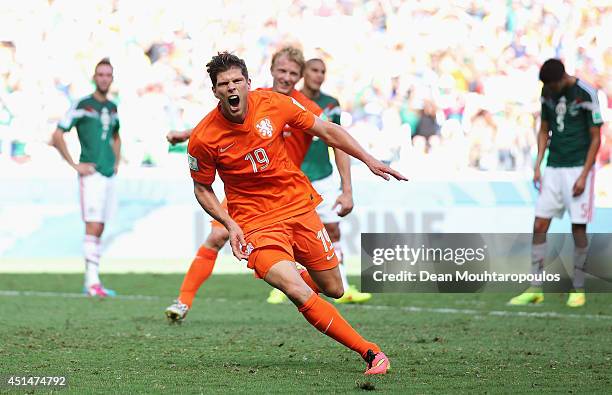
(246, 125)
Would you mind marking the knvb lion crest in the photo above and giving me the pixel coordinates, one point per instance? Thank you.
(265, 128)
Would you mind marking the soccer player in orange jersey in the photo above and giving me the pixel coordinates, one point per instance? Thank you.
(271, 216)
(286, 68)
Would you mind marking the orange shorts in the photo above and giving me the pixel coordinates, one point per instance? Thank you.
(216, 223)
(301, 239)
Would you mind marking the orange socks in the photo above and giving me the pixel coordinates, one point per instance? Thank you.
(309, 281)
(328, 320)
(200, 269)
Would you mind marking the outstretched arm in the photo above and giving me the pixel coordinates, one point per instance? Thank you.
(335, 136)
(175, 136)
(209, 202)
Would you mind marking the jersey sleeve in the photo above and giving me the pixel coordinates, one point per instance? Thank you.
(313, 107)
(202, 162)
(296, 115)
(116, 122)
(591, 107)
(71, 118)
(544, 109)
(335, 112)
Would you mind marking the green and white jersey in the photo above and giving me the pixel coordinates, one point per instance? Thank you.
(570, 115)
(316, 164)
(96, 124)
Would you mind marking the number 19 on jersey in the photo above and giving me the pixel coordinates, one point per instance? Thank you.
(259, 159)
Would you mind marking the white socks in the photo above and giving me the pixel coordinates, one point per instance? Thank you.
(580, 255)
(91, 251)
(538, 253)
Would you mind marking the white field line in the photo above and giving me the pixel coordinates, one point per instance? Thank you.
(493, 313)
(71, 295)
(410, 309)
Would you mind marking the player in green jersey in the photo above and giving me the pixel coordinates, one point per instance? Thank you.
(571, 123)
(337, 201)
(97, 124)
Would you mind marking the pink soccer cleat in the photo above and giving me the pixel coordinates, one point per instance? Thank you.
(377, 363)
(97, 290)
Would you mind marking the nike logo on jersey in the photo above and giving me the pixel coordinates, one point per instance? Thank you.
(330, 256)
(226, 148)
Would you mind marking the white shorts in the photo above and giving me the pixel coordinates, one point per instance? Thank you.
(556, 195)
(329, 190)
(97, 197)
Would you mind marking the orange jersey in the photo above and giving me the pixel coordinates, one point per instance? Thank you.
(298, 142)
(262, 184)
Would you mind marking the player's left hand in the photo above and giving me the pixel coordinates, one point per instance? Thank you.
(579, 186)
(384, 171)
(345, 201)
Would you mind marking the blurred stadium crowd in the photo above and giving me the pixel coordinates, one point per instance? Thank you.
(434, 85)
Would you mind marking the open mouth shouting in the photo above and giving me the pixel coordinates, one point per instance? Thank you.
(234, 102)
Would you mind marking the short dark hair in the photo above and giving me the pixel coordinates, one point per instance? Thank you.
(224, 61)
(309, 61)
(103, 62)
(552, 71)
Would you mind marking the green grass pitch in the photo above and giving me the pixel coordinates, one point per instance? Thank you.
(233, 341)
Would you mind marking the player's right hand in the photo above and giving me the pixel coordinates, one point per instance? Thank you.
(384, 171)
(537, 179)
(237, 241)
(85, 168)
